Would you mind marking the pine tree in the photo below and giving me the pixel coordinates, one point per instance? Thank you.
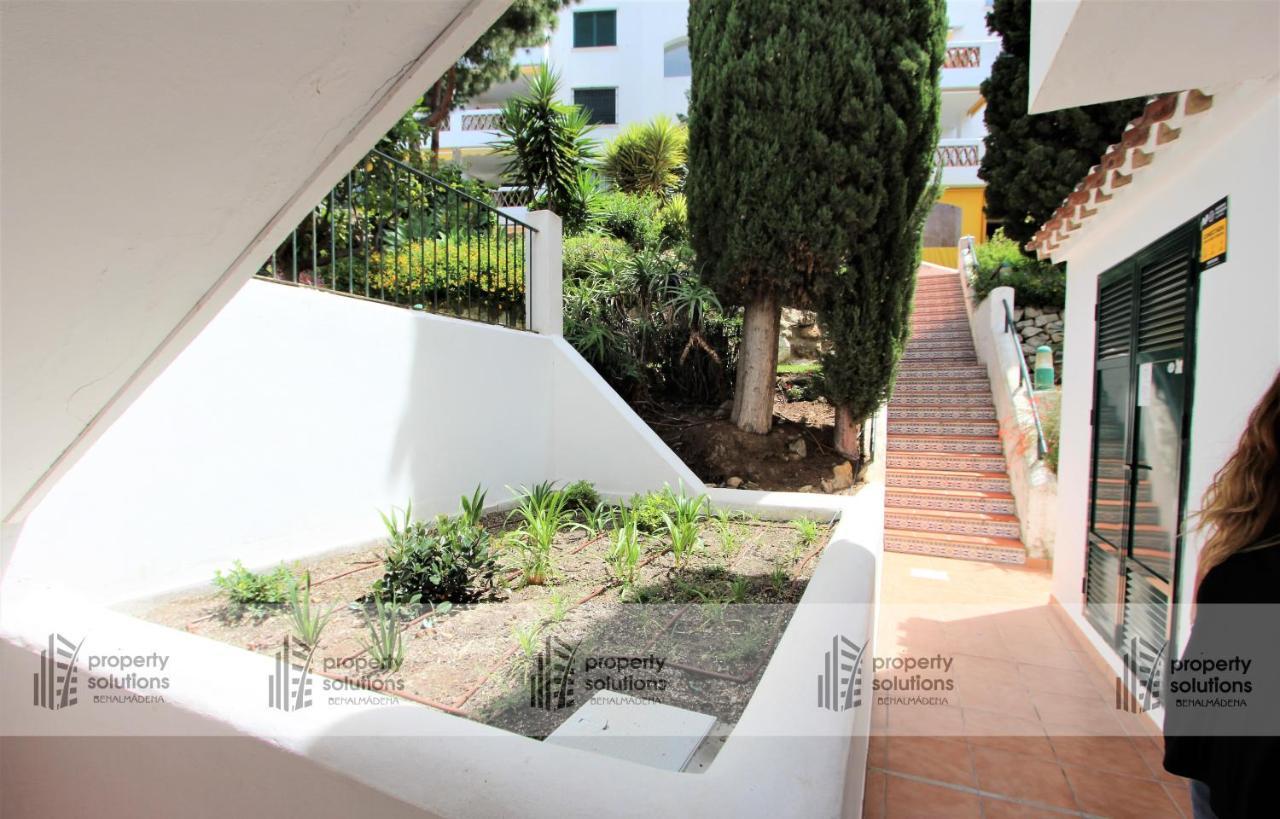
(865, 308)
(1033, 162)
(811, 131)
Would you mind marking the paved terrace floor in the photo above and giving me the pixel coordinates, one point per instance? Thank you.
(1030, 728)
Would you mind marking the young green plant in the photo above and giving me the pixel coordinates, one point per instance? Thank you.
(543, 515)
(624, 549)
(385, 644)
(253, 592)
(807, 530)
(307, 620)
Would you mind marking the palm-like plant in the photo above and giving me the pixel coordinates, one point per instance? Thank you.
(648, 157)
(547, 144)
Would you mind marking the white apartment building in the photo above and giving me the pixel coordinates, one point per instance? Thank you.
(628, 61)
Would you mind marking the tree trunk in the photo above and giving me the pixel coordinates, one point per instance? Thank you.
(757, 366)
(847, 430)
(435, 148)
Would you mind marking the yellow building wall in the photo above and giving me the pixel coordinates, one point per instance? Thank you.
(973, 222)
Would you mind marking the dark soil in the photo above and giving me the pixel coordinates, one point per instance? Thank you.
(716, 450)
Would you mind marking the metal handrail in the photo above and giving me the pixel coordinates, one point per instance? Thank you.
(1024, 376)
(393, 233)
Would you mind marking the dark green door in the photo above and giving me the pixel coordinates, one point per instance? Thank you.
(1141, 419)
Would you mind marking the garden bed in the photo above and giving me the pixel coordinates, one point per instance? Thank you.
(694, 633)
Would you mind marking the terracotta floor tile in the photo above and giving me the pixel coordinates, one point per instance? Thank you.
(1055, 680)
(1005, 699)
(945, 760)
(1000, 809)
(873, 795)
(1116, 755)
(1031, 652)
(1152, 752)
(1003, 732)
(968, 668)
(925, 721)
(1120, 797)
(908, 799)
(1087, 716)
(1022, 777)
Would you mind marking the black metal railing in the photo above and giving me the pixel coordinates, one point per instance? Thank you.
(395, 234)
(1024, 378)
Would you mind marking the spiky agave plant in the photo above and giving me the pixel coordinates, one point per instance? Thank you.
(385, 644)
(307, 620)
(648, 157)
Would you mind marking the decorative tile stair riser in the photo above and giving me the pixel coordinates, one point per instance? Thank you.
(948, 485)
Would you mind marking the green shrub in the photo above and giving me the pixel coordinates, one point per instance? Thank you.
(581, 497)
(1001, 263)
(448, 562)
(651, 326)
(590, 252)
(675, 221)
(473, 269)
(633, 218)
(649, 510)
(648, 157)
(251, 592)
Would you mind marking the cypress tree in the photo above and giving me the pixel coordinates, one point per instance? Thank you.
(1032, 162)
(865, 308)
(812, 126)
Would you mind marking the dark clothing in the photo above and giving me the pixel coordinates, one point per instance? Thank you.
(1233, 749)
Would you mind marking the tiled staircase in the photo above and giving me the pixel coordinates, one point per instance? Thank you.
(948, 488)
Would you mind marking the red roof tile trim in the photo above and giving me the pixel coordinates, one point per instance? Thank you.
(1136, 149)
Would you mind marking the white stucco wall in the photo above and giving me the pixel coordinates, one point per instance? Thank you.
(1233, 152)
(297, 415)
(1033, 485)
(153, 156)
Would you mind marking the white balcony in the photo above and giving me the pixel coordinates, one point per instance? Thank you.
(968, 63)
(471, 128)
(959, 159)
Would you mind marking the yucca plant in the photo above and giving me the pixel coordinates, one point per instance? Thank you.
(546, 144)
(596, 519)
(385, 644)
(308, 621)
(543, 514)
(648, 157)
(683, 537)
(625, 548)
(473, 508)
(682, 523)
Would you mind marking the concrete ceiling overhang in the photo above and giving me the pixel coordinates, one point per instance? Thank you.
(1090, 51)
(151, 155)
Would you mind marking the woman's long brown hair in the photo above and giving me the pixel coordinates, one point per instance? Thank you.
(1243, 502)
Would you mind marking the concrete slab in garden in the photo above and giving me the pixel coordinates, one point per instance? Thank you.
(626, 727)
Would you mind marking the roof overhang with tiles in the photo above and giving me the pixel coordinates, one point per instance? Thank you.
(1144, 138)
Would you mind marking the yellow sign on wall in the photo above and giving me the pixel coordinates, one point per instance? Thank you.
(1213, 235)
